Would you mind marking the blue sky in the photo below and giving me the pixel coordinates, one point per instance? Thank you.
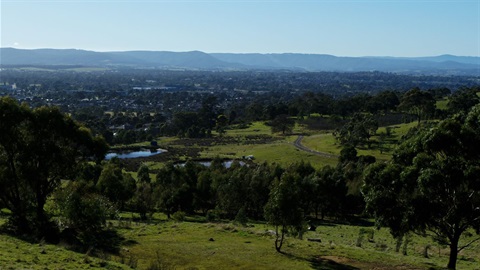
(342, 28)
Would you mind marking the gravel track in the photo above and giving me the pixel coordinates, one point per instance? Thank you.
(298, 144)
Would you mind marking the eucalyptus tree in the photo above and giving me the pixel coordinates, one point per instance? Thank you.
(432, 184)
(283, 209)
(358, 130)
(38, 148)
(463, 99)
(417, 102)
(282, 123)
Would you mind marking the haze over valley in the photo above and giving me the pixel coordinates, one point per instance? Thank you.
(443, 64)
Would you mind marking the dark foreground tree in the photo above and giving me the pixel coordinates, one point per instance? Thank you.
(432, 184)
(38, 148)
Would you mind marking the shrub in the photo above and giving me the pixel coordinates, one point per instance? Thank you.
(83, 211)
(179, 216)
(212, 216)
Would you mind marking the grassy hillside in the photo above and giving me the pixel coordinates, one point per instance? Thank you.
(195, 244)
(18, 254)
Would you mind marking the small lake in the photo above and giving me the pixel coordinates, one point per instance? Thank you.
(134, 154)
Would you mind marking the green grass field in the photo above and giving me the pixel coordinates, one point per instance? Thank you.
(326, 142)
(442, 104)
(281, 152)
(187, 245)
(19, 254)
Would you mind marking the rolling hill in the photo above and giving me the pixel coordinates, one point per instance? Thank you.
(444, 64)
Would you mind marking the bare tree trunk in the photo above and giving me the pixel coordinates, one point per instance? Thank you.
(279, 239)
(452, 260)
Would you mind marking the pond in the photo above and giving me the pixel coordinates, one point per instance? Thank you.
(134, 154)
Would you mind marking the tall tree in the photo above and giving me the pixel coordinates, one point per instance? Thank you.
(283, 209)
(143, 174)
(432, 183)
(330, 192)
(282, 123)
(463, 100)
(38, 148)
(384, 101)
(172, 190)
(357, 130)
(417, 102)
(117, 186)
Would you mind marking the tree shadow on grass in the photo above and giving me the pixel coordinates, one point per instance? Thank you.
(350, 220)
(103, 241)
(325, 264)
(321, 263)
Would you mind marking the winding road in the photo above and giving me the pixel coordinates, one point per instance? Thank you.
(298, 144)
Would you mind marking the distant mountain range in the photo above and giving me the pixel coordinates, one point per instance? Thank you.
(444, 64)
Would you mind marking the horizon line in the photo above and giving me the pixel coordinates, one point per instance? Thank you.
(240, 53)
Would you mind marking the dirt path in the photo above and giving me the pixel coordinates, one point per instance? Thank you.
(298, 144)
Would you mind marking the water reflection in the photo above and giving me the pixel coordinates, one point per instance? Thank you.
(134, 154)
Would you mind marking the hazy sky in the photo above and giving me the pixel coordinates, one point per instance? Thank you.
(342, 28)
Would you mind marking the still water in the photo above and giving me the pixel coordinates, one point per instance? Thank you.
(134, 154)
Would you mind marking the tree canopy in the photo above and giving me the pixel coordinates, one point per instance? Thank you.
(38, 148)
(283, 209)
(432, 184)
(417, 102)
